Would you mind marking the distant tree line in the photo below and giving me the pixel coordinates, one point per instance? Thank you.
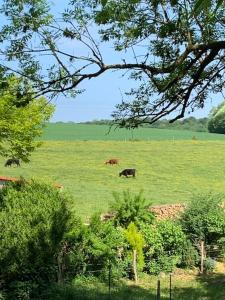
(190, 123)
(214, 123)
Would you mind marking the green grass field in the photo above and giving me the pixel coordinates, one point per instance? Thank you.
(171, 167)
(168, 171)
(86, 132)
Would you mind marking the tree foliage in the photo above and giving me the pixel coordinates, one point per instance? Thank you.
(136, 242)
(204, 218)
(200, 5)
(165, 241)
(216, 122)
(175, 51)
(34, 219)
(130, 208)
(21, 122)
(94, 248)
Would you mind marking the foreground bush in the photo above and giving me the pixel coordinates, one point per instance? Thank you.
(164, 244)
(95, 248)
(204, 218)
(34, 219)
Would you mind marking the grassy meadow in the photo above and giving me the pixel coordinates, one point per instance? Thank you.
(168, 170)
(87, 132)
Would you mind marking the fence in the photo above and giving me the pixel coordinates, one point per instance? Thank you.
(163, 286)
(111, 283)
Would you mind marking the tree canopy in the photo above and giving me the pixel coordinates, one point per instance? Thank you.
(176, 51)
(20, 124)
(216, 122)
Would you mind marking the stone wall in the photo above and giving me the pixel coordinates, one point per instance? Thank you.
(167, 211)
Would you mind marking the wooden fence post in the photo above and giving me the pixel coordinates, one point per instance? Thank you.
(135, 265)
(110, 275)
(170, 286)
(202, 257)
(158, 290)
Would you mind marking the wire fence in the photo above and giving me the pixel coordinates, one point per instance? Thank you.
(156, 286)
(106, 269)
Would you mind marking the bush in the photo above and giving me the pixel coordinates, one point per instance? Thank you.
(190, 257)
(162, 263)
(96, 248)
(164, 245)
(204, 218)
(2, 295)
(131, 209)
(34, 219)
(21, 290)
(209, 265)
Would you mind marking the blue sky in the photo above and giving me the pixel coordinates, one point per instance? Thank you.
(97, 102)
(103, 93)
(100, 98)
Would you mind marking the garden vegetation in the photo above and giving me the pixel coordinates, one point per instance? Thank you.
(42, 242)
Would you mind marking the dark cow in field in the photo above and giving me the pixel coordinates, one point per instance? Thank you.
(128, 172)
(112, 161)
(12, 161)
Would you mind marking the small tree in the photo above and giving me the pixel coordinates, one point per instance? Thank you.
(131, 208)
(216, 122)
(136, 242)
(22, 119)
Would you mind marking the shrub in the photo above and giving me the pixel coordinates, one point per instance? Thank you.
(34, 218)
(162, 263)
(216, 122)
(96, 249)
(164, 244)
(21, 290)
(190, 257)
(204, 218)
(2, 295)
(209, 265)
(131, 208)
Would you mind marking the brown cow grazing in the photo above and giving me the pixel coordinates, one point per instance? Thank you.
(112, 161)
(12, 161)
(128, 172)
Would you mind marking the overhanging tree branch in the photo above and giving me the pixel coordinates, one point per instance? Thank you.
(180, 51)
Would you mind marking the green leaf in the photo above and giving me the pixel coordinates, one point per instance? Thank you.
(201, 5)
